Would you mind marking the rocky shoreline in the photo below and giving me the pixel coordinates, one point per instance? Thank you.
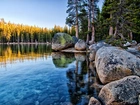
(117, 69)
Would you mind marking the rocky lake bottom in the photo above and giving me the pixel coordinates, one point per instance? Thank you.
(33, 75)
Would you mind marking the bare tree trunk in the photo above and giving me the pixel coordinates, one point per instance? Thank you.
(87, 40)
(92, 25)
(77, 27)
(115, 33)
(93, 36)
(131, 35)
(89, 25)
(111, 28)
(77, 30)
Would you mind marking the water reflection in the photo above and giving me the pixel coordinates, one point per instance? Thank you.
(53, 79)
(12, 53)
(79, 81)
(61, 60)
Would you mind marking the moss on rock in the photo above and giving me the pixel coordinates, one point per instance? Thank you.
(61, 41)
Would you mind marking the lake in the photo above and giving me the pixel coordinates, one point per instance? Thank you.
(34, 75)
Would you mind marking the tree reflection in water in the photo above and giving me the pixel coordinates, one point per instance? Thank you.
(80, 80)
(12, 53)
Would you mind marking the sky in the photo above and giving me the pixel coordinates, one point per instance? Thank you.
(42, 13)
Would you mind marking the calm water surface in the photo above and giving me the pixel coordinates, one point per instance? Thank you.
(33, 75)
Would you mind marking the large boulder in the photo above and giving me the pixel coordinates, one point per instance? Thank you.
(121, 92)
(92, 56)
(61, 41)
(134, 51)
(139, 99)
(114, 63)
(80, 45)
(138, 47)
(94, 48)
(93, 101)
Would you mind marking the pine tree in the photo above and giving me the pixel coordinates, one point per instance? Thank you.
(73, 11)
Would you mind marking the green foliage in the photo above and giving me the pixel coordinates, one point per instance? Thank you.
(123, 16)
(116, 41)
(67, 38)
(62, 38)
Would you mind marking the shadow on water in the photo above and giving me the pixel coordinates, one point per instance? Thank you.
(63, 79)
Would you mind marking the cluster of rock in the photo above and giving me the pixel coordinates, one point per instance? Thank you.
(117, 69)
(62, 41)
(132, 45)
(119, 72)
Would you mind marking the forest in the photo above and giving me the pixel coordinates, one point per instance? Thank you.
(19, 33)
(118, 19)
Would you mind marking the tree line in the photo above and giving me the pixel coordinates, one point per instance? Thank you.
(118, 19)
(17, 33)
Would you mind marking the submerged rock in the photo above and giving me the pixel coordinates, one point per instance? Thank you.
(80, 45)
(121, 92)
(61, 41)
(114, 63)
(94, 101)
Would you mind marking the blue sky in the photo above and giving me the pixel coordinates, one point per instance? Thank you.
(42, 13)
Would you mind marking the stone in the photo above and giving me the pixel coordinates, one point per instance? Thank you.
(121, 92)
(94, 48)
(61, 41)
(93, 101)
(113, 63)
(92, 66)
(92, 55)
(134, 51)
(80, 45)
(133, 43)
(139, 99)
(127, 44)
(138, 47)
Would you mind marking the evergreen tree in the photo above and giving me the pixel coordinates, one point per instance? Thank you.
(73, 11)
(122, 17)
